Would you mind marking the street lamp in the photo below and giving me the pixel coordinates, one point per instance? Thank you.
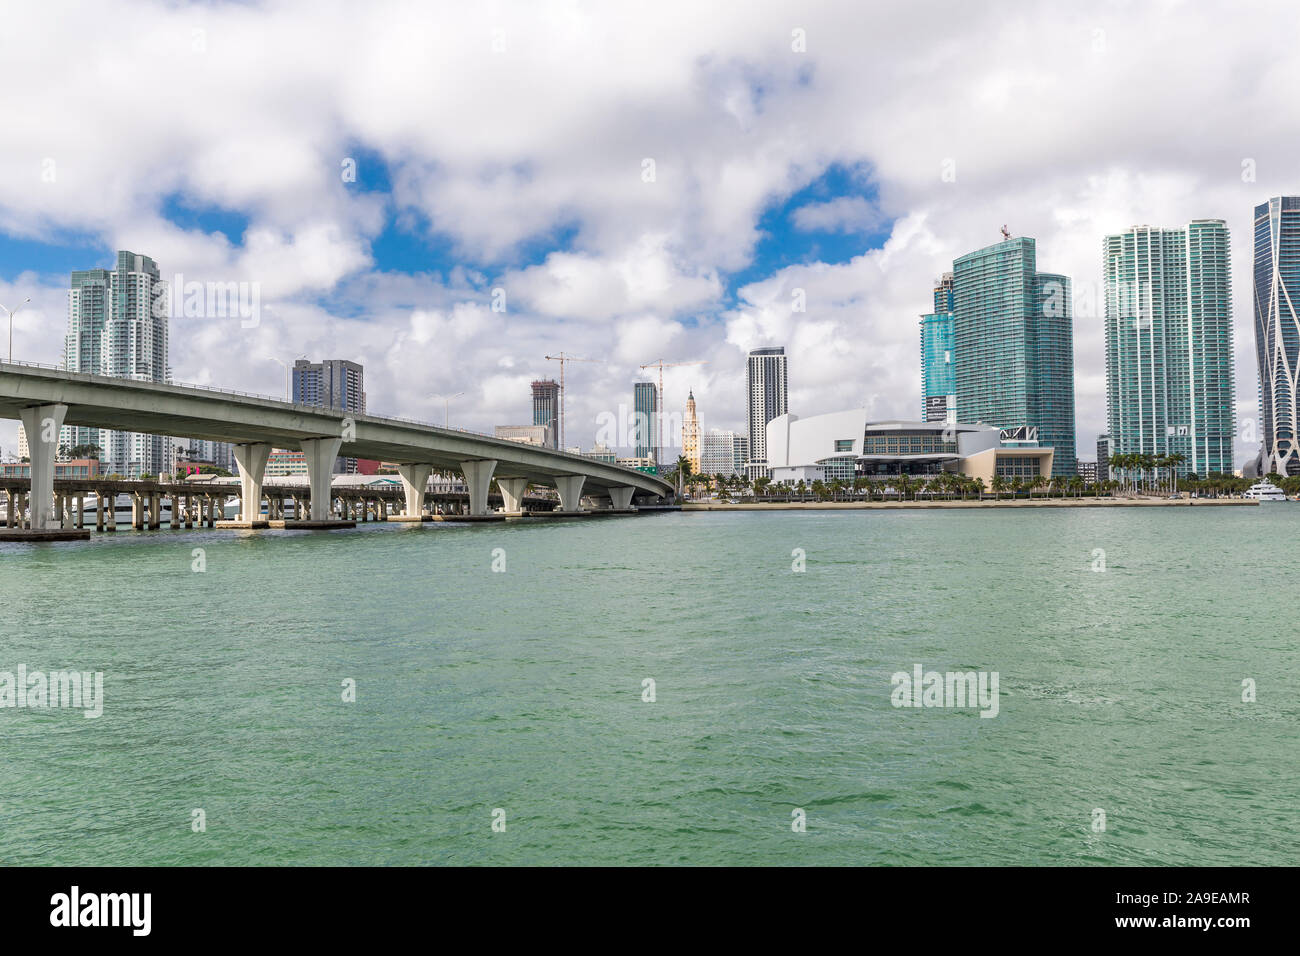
(11, 326)
(446, 406)
(286, 366)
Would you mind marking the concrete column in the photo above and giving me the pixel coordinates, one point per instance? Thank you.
(320, 454)
(10, 498)
(512, 493)
(111, 507)
(189, 511)
(414, 480)
(99, 513)
(570, 489)
(155, 511)
(176, 511)
(41, 424)
(621, 498)
(80, 502)
(251, 459)
(137, 511)
(478, 481)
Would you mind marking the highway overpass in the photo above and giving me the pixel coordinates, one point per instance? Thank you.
(45, 399)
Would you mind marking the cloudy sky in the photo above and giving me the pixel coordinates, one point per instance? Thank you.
(640, 181)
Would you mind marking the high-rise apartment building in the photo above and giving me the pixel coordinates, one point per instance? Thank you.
(1013, 348)
(1169, 373)
(768, 389)
(938, 384)
(1103, 458)
(645, 405)
(546, 407)
(944, 298)
(691, 434)
(1277, 331)
(117, 325)
(332, 383)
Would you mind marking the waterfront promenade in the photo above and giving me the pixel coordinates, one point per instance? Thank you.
(961, 504)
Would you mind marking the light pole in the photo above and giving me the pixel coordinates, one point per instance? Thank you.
(446, 406)
(11, 326)
(286, 366)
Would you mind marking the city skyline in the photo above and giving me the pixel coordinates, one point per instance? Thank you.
(360, 250)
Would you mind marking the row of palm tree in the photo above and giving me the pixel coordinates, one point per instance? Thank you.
(1150, 473)
(946, 485)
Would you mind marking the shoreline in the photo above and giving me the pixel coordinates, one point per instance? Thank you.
(960, 504)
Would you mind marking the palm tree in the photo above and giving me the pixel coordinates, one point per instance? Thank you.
(999, 485)
(1076, 484)
(683, 472)
(903, 484)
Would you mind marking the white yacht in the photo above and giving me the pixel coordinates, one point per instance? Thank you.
(1265, 491)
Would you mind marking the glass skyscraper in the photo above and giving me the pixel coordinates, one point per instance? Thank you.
(1277, 330)
(938, 381)
(1169, 374)
(1013, 347)
(332, 383)
(645, 403)
(767, 385)
(117, 325)
(938, 389)
(546, 404)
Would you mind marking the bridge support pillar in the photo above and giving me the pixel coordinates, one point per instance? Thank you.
(11, 499)
(111, 507)
(175, 523)
(414, 480)
(512, 493)
(41, 423)
(478, 482)
(621, 498)
(320, 454)
(570, 489)
(251, 459)
(99, 512)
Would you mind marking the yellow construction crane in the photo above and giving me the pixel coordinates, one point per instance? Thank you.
(564, 359)
(659, 411)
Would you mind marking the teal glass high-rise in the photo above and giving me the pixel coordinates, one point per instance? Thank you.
(1013, 347)
(938, 383)
(1169, 373)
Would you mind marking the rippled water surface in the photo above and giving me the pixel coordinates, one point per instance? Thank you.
(476, 690)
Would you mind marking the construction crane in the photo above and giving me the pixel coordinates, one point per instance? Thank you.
(564, 359)
(659, 410)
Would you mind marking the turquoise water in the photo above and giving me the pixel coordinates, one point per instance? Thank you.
(522, 690)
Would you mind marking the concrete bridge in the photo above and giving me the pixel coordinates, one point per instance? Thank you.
(45, 399)
(203, 503)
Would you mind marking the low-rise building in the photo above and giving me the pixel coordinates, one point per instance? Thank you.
(540, 435)
(281, 463)
(76, 468)
(845, 445)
